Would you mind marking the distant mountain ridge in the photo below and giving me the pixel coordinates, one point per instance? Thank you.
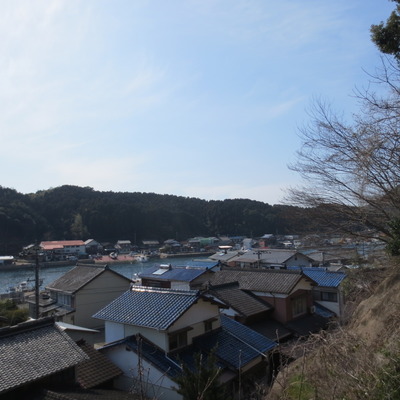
(73, 212)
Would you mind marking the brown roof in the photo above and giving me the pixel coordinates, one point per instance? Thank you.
(79, 276)
(244, 303)
(97, 370)
(259, 280)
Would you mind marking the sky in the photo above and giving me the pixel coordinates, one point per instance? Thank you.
(195, 98)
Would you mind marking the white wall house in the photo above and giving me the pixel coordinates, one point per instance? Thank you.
(155, 329)
(63, 249)
(79, 293)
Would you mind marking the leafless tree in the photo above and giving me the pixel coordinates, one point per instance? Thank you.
(352, 168)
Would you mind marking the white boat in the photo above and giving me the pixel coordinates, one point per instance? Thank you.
(22, 286)
(141, 258)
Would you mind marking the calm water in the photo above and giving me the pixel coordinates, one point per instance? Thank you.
(13, 278)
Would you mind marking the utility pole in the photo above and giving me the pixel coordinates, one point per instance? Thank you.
(36, 283)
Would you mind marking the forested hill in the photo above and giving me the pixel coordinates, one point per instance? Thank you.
(71, 212)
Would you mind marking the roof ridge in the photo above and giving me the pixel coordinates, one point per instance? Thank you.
(26, 326)
(263, 270)
(151, 289)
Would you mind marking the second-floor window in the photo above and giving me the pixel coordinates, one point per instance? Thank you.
(329, 296)
(325, 296)
(177, 340)
(207, 326)
(65, 299)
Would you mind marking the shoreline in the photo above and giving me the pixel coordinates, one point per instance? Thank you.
(121, 259)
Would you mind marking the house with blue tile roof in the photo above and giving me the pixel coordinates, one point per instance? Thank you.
(176, 277)
(327, 292)
(157, 329)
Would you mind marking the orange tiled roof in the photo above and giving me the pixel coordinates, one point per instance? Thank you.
(59, 244)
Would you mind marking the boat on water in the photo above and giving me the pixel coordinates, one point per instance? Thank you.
(141, 258)
(24, 286)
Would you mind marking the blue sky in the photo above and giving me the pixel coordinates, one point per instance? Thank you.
(196, 98)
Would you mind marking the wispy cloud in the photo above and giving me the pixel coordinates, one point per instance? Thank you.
(163, 97)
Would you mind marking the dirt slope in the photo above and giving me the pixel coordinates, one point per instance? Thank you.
(349, 361)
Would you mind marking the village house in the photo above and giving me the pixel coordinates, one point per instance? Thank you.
(155, 330)
(123, 246)
(288, 292)
(270, 258)
(150, 245)
(175, 277)
(93, 247)
(60, 250)
(224, 255)
(40, 361)
(335, 258)
(327, 292)
(33, 354)
(7, 260)
(78, 294)
(240, 305)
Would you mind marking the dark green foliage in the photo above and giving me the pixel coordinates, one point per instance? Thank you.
(201, 382)
(71, 212)
(387, 35)
(10, 314)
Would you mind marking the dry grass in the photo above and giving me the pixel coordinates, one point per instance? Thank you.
(358, 361)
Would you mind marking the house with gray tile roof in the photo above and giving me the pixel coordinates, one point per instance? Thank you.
(270, 258)
(224, 256)
(79, 293)
(161, 328)
(288, 292)
(241, 305)
(33, 352)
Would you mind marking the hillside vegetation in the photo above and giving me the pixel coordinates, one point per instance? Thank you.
(360, 360)
(72, 212)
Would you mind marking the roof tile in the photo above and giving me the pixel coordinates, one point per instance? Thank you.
(34, 350)
(262, 280)
(149, 307)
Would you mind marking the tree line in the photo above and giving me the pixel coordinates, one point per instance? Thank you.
(72, 212)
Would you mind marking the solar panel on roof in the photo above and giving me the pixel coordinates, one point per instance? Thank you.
(163, 269)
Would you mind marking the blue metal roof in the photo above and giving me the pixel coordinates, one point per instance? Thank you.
(321, 276)
(155, 356)
(182, 274)
(235, 346)
(149, 307)
(323, 311)
(202, 263)
(235, 343)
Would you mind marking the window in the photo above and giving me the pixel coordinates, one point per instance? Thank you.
(65, 299)
(207, 326)
(177, 340)
(329, 296)
(299, 306)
